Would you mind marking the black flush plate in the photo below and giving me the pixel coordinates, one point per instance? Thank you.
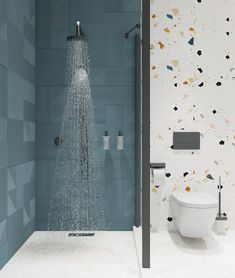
(186, 140)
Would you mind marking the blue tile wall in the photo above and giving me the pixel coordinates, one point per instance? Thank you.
(17, 125)
(112, 80)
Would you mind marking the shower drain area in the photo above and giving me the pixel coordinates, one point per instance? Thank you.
(72, 254)
(73, 234)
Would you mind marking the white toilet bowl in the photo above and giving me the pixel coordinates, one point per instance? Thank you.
(194, 213)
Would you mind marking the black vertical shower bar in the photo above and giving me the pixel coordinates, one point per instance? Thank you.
(137, 130)
(145, 133)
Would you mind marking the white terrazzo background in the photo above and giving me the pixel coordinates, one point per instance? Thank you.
(55, 255)
(174, 256)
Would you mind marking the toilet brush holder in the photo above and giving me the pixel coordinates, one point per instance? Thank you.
(220, 224)
(221, 218)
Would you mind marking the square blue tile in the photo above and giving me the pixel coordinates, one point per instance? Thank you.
(3, 194)
(3, 91)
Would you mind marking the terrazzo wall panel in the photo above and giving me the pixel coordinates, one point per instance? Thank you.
(17, 98)
(193, 89)
(112, 84)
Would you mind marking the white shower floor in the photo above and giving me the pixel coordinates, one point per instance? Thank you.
(55, 255)
(174, 256)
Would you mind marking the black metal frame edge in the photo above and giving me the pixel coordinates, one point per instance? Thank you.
(145, 133)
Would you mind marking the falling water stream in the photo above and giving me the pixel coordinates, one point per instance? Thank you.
(77, 196)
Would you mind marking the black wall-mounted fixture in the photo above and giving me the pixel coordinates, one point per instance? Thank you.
(186, 140)
(133, 28)
(155, 165)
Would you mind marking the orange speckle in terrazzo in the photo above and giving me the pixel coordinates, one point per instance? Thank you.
(153, 16)
(185, 82)
(187, 189)
(161, 45)
(175, 11)
(175, 63)
(154, 67)
(166, 30)
(191, 29)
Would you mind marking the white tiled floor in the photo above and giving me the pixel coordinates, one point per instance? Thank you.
(55, 255)
(175, 257)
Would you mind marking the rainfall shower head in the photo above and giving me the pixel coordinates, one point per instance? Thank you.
(79, 36)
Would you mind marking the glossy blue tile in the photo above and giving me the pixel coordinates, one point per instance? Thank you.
(29, 111)
(120, 76)
(15, 240)
(59, 21)
(98, 76)
(132, 6)
(120, 222)
(20, 153)
(25, 172)
(3, 91)
(29, 132)
(29, 191)
(3, 194)
(29, 32)
(97, 56)
(3, 130)
(59, 5)
(14, 131)
(16, 61)
(4, 155)
(114, 5)
(3, 232)
(57, 103)
(42, 104)
(17, 51)
(15, 14)
(58, 39)
(3, 254)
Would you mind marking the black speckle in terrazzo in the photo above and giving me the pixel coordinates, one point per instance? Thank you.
(175, 84)
(191, 41)
(227, 19)
(169, 16)
(185, 174)
(199, 52)
(227, 57)
(218, 83)
(214, 111)
(221, 142)
(175, 108)
(172, 147)
(201, 84)
(168, 175)
(194, 119)
(169, 219)
(200, 70)
(227, 33)
(209, 176)
(199, 1)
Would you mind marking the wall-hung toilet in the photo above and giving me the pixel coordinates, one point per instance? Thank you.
(194, 213)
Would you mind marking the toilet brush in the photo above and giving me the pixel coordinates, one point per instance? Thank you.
(221, 217)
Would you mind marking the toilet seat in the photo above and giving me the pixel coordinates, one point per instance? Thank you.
(194, 200)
